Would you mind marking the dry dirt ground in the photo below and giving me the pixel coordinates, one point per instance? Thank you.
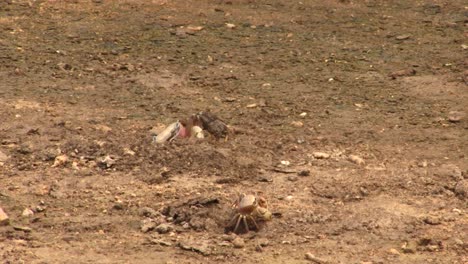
(385, 136)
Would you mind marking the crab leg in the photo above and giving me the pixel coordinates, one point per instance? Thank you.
(255, 223)
(245, 223)
(239, 217)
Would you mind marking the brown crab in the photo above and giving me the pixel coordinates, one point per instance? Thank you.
(249, 207)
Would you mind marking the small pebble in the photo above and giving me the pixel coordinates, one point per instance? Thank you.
(321, 155)
(163, 228)
(238, 242)
(147, 225)
(356, 159)
(456, 116)
(297, 124)
(311, 257)
(4, 219)
(292, 178)
(27, 212)
(304, 173)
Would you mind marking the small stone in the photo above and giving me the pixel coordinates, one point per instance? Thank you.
(3, 157)
(251, 105)
(229, 238)
(394, 252)
(403, 37)
(304, 173)
(292, 178)
(449, 170)
(147, 212)
(20, 242)
(263, 242)
(147, 225)
(456, 116)
(321, 155)
(311, 257)
(238, 242)
(432, 220)
(289, 198)
(27, 212)
(461, 189)
(4, 219)
(129, 152)
(297, 124)
(118, 206)
(458, 242)
(163, 228)
(160, 242)
(402, 73)
(201, 247)
(39, 209)
(22, 228)
(106, 162)
(356, 159)
(409, 248)
(103, 128)
(60, 161)
(304, 114)
(230, 26)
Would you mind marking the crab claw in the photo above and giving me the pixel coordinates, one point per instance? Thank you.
(183, 133)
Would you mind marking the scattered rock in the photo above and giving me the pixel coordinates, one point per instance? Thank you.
(163, 228)
(60, 160)
(321, 155)
(160, 242)
(297, 124)
(311, 257)
(292, 178)
(410, 247)
(22, 228)
(461, 189)
(103, 128)
(432, 220)
(106, 162)
(4, 219)
(263, 242)
(231, 26)
(304, 173)
(251, 105)
(147, 211)
(27, 212)
(456, 116)
(303, 114)
(201, 247)
(229, 238)
(147, 225)
(449, 170)
(3, 157)
(459, 242)
(402, 73)
(238, 242)
(118, 206)
(403, 37)
(356, 159)
(394, 252)
(39, 209)
(129, 152)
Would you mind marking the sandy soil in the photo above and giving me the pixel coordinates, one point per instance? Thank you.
(384, 137)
